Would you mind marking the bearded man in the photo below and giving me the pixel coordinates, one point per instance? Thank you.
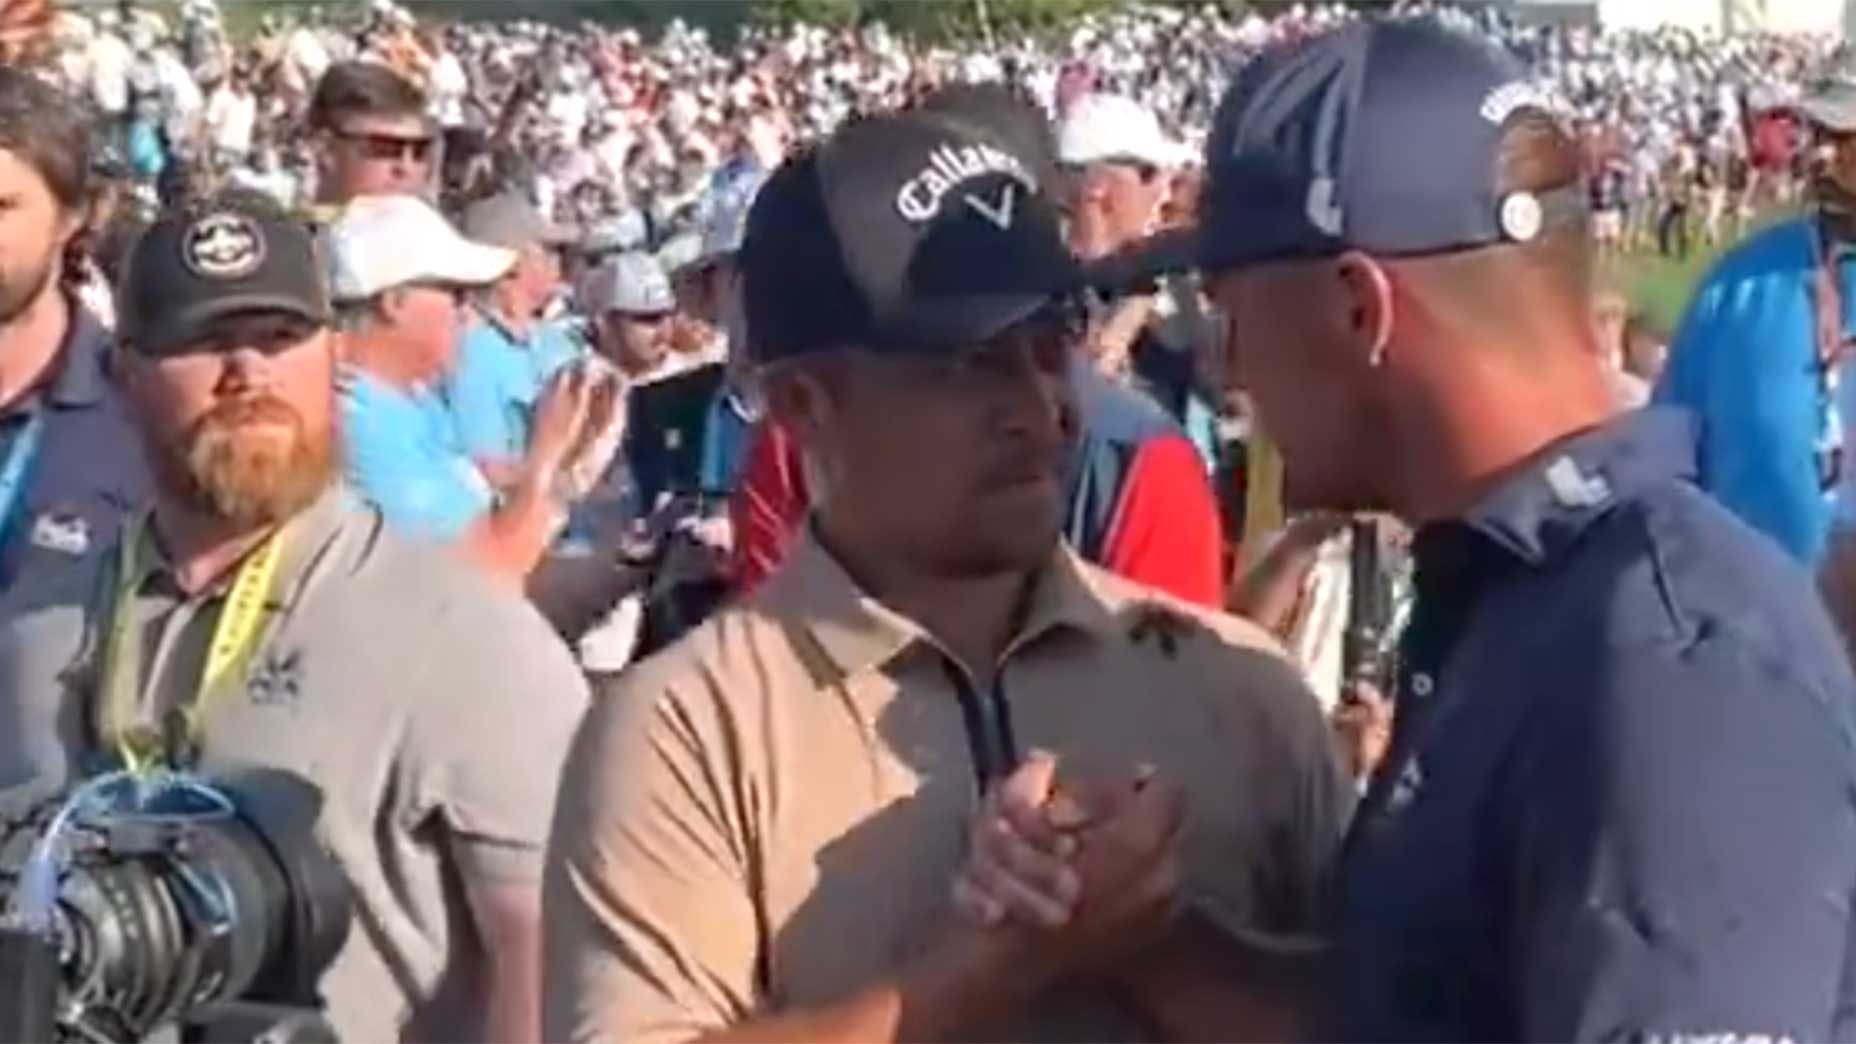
(256, 618)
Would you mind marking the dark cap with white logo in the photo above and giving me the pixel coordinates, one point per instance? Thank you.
(193, 267)
(902, 233)
(1383, 136)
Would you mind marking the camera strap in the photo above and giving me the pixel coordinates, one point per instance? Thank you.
(235, 638)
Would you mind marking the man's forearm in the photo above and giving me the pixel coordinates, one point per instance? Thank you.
(512, 1006)
(512, 538)
(960, 986)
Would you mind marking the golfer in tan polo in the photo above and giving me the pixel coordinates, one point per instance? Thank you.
(761, 828)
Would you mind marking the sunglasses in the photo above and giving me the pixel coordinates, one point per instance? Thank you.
(387, 147)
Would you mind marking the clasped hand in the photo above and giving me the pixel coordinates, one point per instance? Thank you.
(1081, 871)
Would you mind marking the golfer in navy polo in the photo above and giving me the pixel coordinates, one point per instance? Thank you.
(1620, 802)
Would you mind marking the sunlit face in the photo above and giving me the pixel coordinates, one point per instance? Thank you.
(953, 463)
(537, 275)
(636, 343)
(1291, 350)
(426, 320)
(240, 423)
(1116, 202)
(377, 155)
(34, 229)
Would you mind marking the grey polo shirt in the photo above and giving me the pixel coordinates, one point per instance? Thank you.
(432, 712)
(88, 471)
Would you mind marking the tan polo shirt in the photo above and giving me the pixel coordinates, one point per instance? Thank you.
(770, 814)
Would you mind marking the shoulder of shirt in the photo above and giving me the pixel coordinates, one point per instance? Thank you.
(1184, 642)
(426, 594)
(1786, 245)
(1130, 601)
(1709, 579)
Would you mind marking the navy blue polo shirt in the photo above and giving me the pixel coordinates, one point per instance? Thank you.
(88, 470)
(1621, 798)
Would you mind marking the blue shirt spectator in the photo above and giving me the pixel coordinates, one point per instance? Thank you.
(1619, 802)
(403, 455)
(1746, 362)
(499, 375)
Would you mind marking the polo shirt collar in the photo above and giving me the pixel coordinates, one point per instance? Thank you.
(1545, 508)
(81, 379)
(496, 322)
(858, 633)
(78, 378)
(307, 537)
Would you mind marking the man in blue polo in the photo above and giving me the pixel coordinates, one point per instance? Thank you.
(69, 466)
(1761, 354)
(1620, 800)
(509, 352)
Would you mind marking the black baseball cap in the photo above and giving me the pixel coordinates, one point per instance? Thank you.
(1383, 136)
(908, 232)
(1007, 115)
(230, 255)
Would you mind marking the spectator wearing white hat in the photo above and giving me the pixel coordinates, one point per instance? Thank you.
(399, 276)
(1120, 164)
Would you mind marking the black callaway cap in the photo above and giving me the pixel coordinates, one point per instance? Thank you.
(909, 232)
(231, 255)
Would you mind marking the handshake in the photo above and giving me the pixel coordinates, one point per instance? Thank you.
(1072, 875)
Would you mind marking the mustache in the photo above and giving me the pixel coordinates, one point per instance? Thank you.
(238, 413)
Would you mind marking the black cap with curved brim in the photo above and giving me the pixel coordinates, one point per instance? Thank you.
(903, 233)
(224, 257)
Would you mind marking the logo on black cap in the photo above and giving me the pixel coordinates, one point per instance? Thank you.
(222, 246)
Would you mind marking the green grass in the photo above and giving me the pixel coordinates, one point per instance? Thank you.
(1659, 288)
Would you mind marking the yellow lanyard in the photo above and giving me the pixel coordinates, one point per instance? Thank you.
(235, 639)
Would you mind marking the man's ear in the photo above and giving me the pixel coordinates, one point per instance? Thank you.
(1367, 304)
(800, 398)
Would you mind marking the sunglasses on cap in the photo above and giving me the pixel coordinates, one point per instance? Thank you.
(388, 147)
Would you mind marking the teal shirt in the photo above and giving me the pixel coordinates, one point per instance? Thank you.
(401, 454)
(496, 381)
(1745, 363)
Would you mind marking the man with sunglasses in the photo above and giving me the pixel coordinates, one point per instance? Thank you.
(400, 276)
(762, 825)
(254, 623)
(1618, 802)
(373, 135)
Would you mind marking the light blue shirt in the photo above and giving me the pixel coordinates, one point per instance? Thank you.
(402, 454)
(496, 380)
(1745, 362)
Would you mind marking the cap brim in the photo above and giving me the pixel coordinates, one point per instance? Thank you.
(473, 264)
(950, 324)
(184, 327)
(1163, 253)
(1834, 109)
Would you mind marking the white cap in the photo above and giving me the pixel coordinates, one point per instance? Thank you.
(378, 243)
(1102, 127)
(632, 283)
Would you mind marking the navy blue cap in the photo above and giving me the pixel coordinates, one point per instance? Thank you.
(1382, 136)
